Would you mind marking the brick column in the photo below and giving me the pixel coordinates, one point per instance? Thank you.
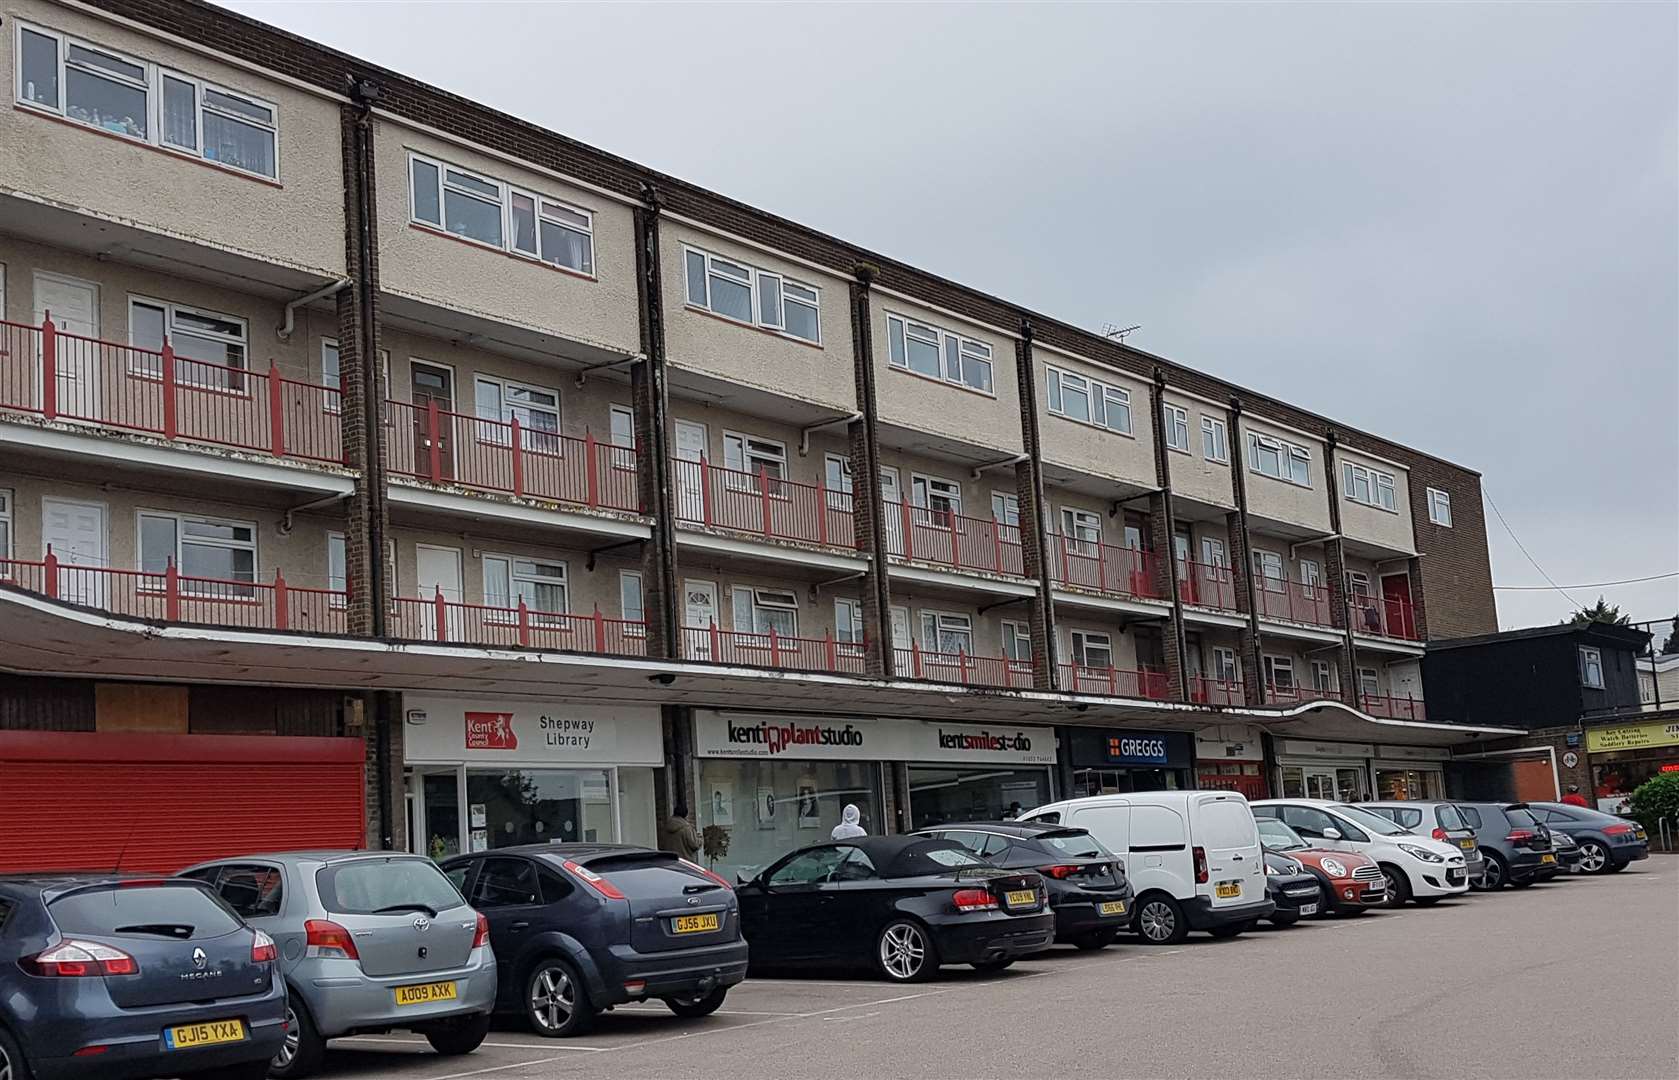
(661, 595)
(866, 509)
(1335, 565)
(1029, 494)
(1163, 524)
(1241, 561)
(1413, 570)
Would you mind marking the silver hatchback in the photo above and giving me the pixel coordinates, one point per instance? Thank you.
(369, 941)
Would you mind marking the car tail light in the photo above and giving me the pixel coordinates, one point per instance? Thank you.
(636, 986)
(1059, 872)
(72, 959)
(325, 938)
(1618, 830)
(1201, 866)
(263, 950)
(595, 881)
(1521, 836)
(481, 936)
(712, 874)
(1440, 834)
(974, 900)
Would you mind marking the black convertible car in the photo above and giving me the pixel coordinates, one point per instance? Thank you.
(902, 904)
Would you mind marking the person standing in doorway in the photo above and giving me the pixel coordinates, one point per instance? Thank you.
(848, 828)
(678, 836)
(1574, 798)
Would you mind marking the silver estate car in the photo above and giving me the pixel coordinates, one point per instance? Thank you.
(369, 941)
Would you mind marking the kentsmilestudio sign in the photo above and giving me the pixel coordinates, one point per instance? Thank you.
(444, 730)
(719, 734)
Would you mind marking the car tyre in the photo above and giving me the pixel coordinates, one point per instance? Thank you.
(1282, 919)
(1617, 867)
(1495, 875)
(556, 1001)
(303, 1049)
(1095, 939)
(1523, 883)
(1594, 857)
(904, 952)
(697, 1005)
(12, 1065)
(1160, 920)
(462, 1035)
(1399, 886)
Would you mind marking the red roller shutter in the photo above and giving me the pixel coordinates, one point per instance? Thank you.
(159, 802)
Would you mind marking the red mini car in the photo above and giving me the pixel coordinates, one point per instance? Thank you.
(1350, 882)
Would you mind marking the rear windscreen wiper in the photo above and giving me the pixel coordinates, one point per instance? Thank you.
(394, 908)
(170, 930)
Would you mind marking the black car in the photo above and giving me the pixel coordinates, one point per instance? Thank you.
(1516, 846)
(1086, 882)
(579, 928)
(1607, 843)
(901, 904)
(1293, 888)
(122, 977)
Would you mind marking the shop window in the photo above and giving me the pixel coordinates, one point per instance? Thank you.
(767, 808)
(956, 793)
(508, 807)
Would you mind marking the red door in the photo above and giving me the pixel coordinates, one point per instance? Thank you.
(1396, 607)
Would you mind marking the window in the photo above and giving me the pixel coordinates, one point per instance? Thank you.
(106, 90)
(1279, 672)
(488, 211)
(541, 585)
(1017, 642)
(746, 457)
(1176, 420)
(210, 349)
(1077, 397)
(254, 891)
(937, 501)
(1591, 668)
(1371, 487)
(1215, 443)
(1092, 649)
(506, 883)
(1212, 552)
(1369, 683)
(1323, 676)
(331, 378)
(942, 632)
(536, 409)
(337, 566)
(1311, 575)
(220, 553)
(1279, 460)
(631, 607)
(1005, 509)
(622, 425)
(6, 529)
(1440, 507)
(1268, 568)
(1082, 530)
(745, 293)
(759, 611)
(1358, 584)
(1224, 664)
(848, 623)
(938, 354)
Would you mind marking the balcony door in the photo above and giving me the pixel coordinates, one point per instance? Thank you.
(430, 384)
(699, 614)
(1396, 597)
(438, 570)
(691, 441)
(75, 531)
(74, 307)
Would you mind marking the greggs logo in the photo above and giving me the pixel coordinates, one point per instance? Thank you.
(490, 731)
(779, 737)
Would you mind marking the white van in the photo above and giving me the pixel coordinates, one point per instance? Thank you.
(1193, 857)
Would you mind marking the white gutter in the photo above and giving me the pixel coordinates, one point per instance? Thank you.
(283, 331)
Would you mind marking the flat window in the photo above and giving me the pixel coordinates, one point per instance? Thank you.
(1279, 460)
(1212, 552)
(1176, 420)
(1092, 649)
(746, 457)
(536, 409)
(746, 293)
(1439, 507)
(38, 72)
(1078, 397)
(481, 208)
(210, 349)
(108, 91)
(1311, 575)
(938, 354)
(1005, 509)
(330, 375)
(337, 564)
(1215, 441)
(1017, 642)
(541, 585)
(630, 603)
(1369, 683)
(6, 531)
(1279, 672)
(944, 632)
(1372, 487)
(848, 622)
(1224, 664)
(759, 611)
(622, 424)
(1591, 668)
(219, 125)
(935, 500)
(222, 554)
(1323, 676)
(1268, 568)
(1082, 531)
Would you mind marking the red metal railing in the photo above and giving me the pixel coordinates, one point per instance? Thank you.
(1280, 598)
(1104, 568)
(175, 597)
(1114, 682)
(1206, 585)
(939, 536)
(494, 455)
(454, 623)
(1388, 617)
(1394, 708)
(961, 667)
(763, 505)
(1205, 691)
(772, 650)
(60, 376)
(1294, 695)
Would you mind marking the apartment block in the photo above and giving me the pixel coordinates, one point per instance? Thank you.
(509, 490)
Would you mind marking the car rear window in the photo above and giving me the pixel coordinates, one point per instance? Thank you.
(1520, 817)
(1075, 845)
(1471, 815)
(1225, 823)
(385, 886)
(182, 911)
(1450, 818)
(647, 875)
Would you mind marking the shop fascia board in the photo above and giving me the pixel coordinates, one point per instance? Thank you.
(1337, 721)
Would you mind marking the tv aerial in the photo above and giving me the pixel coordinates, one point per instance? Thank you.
(1115, 332)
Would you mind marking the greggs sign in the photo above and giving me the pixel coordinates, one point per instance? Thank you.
(718, 734)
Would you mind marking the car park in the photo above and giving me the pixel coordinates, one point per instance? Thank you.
(369, 941)
(580, 928)
(1350, 884)
(903, 905)
(1438, 820)
(1088, 891)
(1193, 857)
(1416, 867)
(1607, 843)
(1516, 846)
(107, 976)
(1292, 888)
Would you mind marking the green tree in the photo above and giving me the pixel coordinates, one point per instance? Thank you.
(1654, 799)
(1600, 612)
(1671, 645)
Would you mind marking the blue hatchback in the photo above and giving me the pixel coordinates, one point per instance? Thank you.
(132, 978)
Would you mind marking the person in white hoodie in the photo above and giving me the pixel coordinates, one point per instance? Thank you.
(848, 828)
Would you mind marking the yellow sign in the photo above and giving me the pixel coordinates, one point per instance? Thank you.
(1632, 737)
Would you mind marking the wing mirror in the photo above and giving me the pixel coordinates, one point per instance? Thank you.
(1332, 833)
(741, 878)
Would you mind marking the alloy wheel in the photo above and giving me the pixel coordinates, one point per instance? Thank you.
(1494, 874)
(283, 1058)
(1393, 884)
(902, 951)
(5, 1065)
(1592, 857)
(1158, 922)
(553, 998)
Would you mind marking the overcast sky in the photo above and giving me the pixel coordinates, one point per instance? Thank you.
(1454, 225)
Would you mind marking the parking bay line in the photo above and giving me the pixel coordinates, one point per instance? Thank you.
(539, 1047)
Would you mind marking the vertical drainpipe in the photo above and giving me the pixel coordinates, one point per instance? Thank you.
(1242, 561)
(868, 514)
(1165, 522)
(1029, 493)
(1335, 565)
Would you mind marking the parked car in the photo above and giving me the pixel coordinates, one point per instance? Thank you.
(1294, 890)
(902, 904)
(1350, 884)
(1087, 887)
(105, 976)
(369, 941)
(579, 928)
(1568, 852)
(1517, 848)
(1607, 843)
(1438, 820)
(1416, 867)
(1193, 857)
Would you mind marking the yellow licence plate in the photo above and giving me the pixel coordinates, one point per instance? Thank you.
(1642, 835)
(1547, 858)
(695, 924)
(425, 993)
(1227, 889)
(1467, 845)
(1020, 898)
(214, 1033)
(1112, 907)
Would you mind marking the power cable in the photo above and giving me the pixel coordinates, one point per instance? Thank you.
(1524, 551)
(1592, 585)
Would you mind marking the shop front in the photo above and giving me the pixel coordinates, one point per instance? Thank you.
(1108, 760)
(1231, 757)
(1624, 756)
(489, 773)
(768, 784)
(1355, 772)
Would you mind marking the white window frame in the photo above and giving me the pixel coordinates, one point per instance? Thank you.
(849, 632)
(1082, 641)
(743, 453)
(1226, 664)
(1103, 400)
(180, 521)
(921, 494)
(1591, 660)
(955, 351)
(759, 283)
(337, 567)
(1293, 462)
(1215, 440)
(8, 531)
(152, 85)
(760, 600)
(1369, 682)
(1355, 579)
(623, 453)
(191, 373)
(1017, 641)
(535, 438)
(539, 616)
(1440, 507)
(942, 622)
(1005, 509)
(1323, 676)
(1176, 421)
(334, 379)
(1263, 560)
(504, 203)
(1369, 487)
(638, 622)
(1213, 552)
(1274, 663)
(1081, 530)
(1311, 573)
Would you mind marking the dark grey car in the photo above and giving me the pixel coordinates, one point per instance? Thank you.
(1607, 843)
(1516, 846)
